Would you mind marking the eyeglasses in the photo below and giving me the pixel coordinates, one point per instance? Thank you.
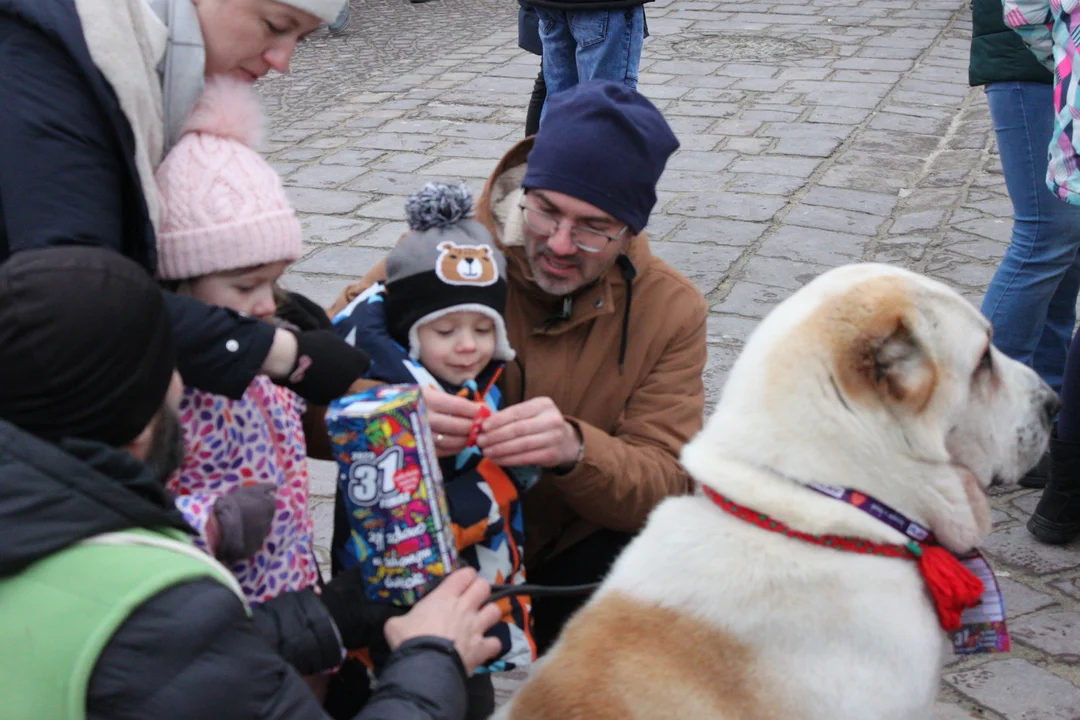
(584, 238)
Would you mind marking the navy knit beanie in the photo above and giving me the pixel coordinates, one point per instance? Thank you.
(605, 144)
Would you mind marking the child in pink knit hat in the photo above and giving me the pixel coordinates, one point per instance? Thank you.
(228, 233)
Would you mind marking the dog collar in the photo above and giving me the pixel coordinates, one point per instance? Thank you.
(952, 586)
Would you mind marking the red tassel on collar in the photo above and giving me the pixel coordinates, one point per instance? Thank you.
(952, 587)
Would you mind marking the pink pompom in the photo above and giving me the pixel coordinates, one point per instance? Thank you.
(228, 108)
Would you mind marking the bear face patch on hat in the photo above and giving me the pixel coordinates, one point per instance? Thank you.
(466, 265)
(447, 263)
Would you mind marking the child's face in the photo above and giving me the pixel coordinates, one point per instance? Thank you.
(250, 290)
(457, 346)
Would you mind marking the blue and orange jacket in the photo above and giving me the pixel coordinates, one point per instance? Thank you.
(484, 499)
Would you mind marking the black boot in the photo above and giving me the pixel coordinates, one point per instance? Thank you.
(1056, 519)
(1038, 476)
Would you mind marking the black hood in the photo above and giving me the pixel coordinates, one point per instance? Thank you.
(54, 495)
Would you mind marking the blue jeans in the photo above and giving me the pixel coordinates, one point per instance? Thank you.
(1031, 302)
(582, 45)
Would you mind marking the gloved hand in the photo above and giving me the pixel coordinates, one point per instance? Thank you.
(303, 312)
(359, 620)
(244, 517)
(325, 367)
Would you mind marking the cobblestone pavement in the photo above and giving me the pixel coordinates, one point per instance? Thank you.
(814, 133)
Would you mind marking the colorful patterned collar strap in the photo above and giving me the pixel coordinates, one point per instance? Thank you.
(952, 586)
(876, 509)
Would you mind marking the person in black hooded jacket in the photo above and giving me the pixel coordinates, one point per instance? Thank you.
(87, 109)
(106, 608)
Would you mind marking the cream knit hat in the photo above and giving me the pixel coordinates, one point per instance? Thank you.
(224, 207)
(325, 10)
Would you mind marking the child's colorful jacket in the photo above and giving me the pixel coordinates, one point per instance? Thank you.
(232, 443)
(1052, 33)
(485, 510)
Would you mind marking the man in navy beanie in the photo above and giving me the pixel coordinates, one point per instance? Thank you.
(610, 340)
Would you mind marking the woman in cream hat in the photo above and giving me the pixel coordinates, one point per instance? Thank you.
(94, 92)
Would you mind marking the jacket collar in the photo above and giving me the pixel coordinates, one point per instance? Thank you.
(54, 495)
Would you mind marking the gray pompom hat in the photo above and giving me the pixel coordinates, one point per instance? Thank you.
(447, 263)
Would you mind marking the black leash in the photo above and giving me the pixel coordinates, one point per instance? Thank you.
(498, 592)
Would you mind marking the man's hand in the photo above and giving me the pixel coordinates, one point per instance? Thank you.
(530, 433)
(457, 610)
(451, 418)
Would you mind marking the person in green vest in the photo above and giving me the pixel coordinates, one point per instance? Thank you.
(1031, 301)
(107, 610)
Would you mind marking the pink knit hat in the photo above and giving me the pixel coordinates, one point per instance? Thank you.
(224, 207)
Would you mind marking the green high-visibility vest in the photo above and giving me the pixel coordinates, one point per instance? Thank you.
(57, 615)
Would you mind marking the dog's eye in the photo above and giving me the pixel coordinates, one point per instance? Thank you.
(986, 362)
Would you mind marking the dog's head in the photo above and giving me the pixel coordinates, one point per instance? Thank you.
(879, 379)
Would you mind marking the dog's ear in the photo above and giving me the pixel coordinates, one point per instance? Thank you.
(895, 365)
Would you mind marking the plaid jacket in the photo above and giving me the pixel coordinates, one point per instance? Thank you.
(1052, 33)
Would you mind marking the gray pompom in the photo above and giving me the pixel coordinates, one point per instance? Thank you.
(438, 205)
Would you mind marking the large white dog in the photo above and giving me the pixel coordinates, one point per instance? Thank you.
(871, 378)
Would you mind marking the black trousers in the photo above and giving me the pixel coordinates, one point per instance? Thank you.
(536, 103)
(586, 562)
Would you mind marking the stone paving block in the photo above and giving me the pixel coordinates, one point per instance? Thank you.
(945, 711)
(795, 167)
(713, 95)
(685, 181)
(813, 245)
(750, 300)
(403, 162)
(894, 144)
(873, 64)
(299, 154)
(857, 200)
(748, 70)
(397, 141)
(856, 76)
(324, 176)
(718, 364)
(828, 218)
(999, 229)
(685, 67)
(384, 183)
(479, 131)
(1015, 546)
(719, 232)
(322, 513)
(323, 476)
(704, 265)
(839, 115)
(922, 220)
(459, 112)
(736, 206)
(781, 273)
(699, 161)
(332, 230)
(664, 92)
(701, 109)
(909, 124)
(384, 236)
(1021, 600)
(759, 84)
(388, 208)
(460, 167)
(770, 114)
(748, 146)
(356, 158)
(690, 125)
(1069, 586)
(350, 262)
(977, 249)
(1019, 690)
(729, 329)
(859, 177)
(1055, 633)
(766, 184)
(325, 202)
(959, 270)
(661, 225)
(492, 149)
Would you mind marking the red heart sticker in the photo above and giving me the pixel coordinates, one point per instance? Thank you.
(407, 480)
(857, 499)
